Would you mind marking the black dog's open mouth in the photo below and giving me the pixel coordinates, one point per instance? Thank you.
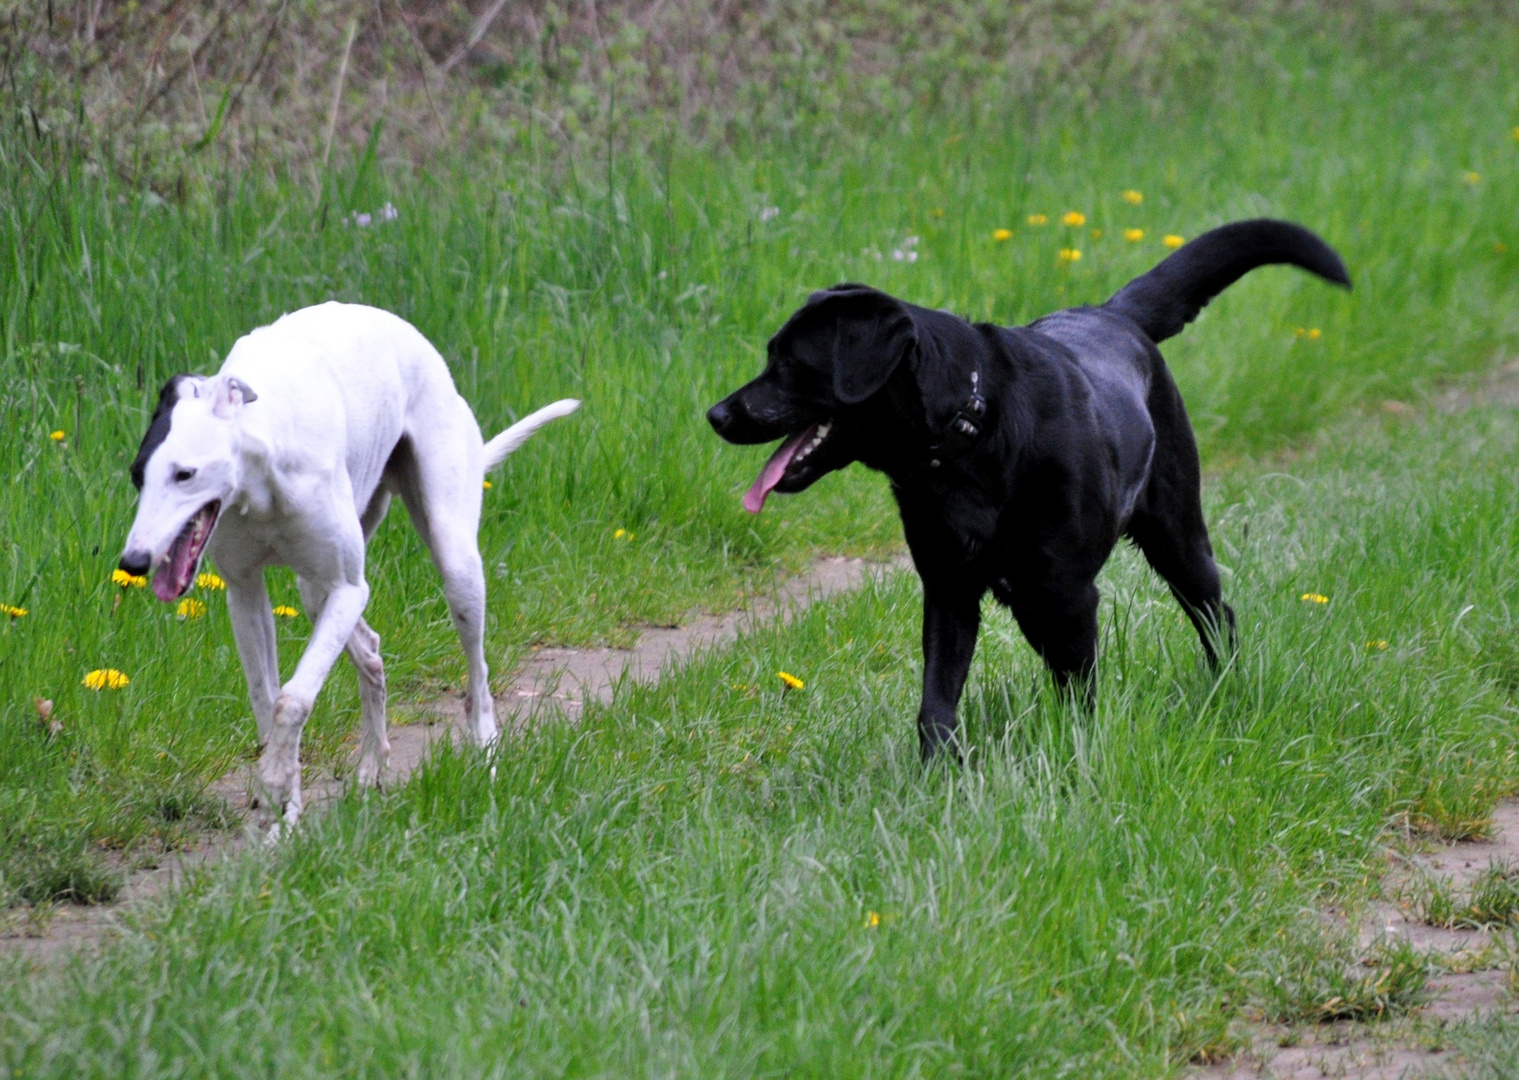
(178, 567)
(785, 464)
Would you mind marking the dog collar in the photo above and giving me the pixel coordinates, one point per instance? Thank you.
(964, 427)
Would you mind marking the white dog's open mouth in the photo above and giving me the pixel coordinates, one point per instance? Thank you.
(177, 569)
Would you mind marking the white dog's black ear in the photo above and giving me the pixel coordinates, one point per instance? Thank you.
(232, 394)
(871, 334)
(158, 427)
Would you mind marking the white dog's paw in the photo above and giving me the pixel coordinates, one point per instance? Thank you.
(372, 768)
(484, 732)
(279, 777)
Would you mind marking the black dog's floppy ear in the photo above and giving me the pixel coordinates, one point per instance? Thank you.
(867, 332)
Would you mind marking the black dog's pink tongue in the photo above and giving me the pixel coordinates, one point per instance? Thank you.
(775, 468)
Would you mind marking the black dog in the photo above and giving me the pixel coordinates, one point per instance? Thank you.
(1018, 456)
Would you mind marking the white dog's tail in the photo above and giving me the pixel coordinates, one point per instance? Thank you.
(514, 436)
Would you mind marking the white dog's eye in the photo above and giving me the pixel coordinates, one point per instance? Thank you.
(181, 475)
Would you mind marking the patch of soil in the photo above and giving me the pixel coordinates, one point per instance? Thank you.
(1473, 980)
(554, 683)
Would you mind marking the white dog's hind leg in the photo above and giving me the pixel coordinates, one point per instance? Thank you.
(458, 561)
(374, 746)
(253, 629)
(464, 585)
(443, 500)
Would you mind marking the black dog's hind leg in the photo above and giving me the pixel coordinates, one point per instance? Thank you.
(1181, 554)
(1174, 539)
(951, 620)
(1060, 621)
(1169, 528)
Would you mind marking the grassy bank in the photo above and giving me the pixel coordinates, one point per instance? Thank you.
(646, 283)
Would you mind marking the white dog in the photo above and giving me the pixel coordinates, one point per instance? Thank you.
(289, 456)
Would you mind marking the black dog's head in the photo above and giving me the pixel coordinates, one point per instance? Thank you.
(825, 366)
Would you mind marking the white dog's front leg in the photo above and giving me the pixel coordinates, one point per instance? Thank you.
(279, 769)
(253, 629)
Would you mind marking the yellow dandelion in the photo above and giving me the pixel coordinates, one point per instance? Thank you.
(1378, 645)
(872, 920)
(1037, 219)
(1073, 218)
(105, 679)
(285, 611)
(1132, 197)
(1133, 236)
(1515, 134)
(1314, 598)
(13, 611)
(1069, 255)
(209, 581)
(56, 436)
(791, 681)
(486, 484)
(937, 211)
(1314, 333)
(1000, 235)
(1472, 177)
(1172, 240)
(190, 608)
(126, 580)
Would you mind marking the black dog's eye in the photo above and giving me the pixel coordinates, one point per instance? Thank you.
(181, 475)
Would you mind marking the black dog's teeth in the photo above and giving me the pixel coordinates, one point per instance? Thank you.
(813, 443)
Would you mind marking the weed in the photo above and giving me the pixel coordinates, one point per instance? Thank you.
(1491, 900)
(1333, 984)
(57, 870)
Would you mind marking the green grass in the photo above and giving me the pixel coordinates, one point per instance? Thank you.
(712, 877)
(684, 884)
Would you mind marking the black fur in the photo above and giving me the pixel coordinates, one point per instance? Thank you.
(1018, 456)
(1166, 299)
(158, 428)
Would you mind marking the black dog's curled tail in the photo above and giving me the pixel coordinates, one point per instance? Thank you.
(1170, 296)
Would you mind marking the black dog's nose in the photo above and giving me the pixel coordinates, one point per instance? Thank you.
(136, 563)
(719, 416)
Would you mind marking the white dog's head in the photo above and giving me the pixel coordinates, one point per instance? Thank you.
(188, 466)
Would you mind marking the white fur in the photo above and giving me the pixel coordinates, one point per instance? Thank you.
(305, 471)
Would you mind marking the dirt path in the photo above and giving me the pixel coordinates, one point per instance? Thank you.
(1474, 978)
(553, 683)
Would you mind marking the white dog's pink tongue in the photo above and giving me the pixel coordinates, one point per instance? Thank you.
(173, 576)
(775, 468)
(169, 582)
(165, 585)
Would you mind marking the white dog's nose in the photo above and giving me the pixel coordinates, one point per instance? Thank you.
(136, 563)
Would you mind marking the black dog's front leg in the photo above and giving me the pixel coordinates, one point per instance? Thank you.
(951, 619)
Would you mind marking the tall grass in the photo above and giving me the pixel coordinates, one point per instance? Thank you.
(646, 282)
